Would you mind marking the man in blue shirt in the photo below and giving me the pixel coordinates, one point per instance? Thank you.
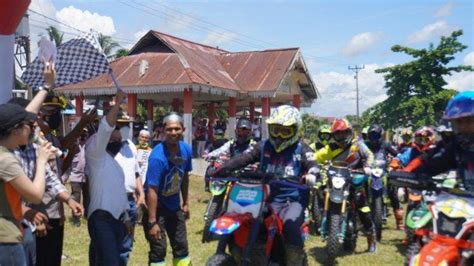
(167, 176)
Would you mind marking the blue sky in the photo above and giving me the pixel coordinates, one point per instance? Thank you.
(331, 34)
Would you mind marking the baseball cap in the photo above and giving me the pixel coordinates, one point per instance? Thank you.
(12, 114)
(244, 123)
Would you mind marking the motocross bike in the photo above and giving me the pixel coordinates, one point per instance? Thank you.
(218, 190)
(378, 194)
(451, 239)
(338, 224)
(247, 227)
(317, 199)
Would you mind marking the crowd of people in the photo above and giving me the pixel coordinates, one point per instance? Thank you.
(122, 183)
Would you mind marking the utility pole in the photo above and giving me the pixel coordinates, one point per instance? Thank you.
(356, 69)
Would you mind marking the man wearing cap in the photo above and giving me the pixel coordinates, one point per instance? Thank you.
(127, 159)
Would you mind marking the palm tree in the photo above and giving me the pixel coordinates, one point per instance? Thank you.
(55, 35)
(107, 44)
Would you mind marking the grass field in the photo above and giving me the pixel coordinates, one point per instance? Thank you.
(389, 252)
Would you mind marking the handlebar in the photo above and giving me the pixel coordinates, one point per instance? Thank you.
(262, 178)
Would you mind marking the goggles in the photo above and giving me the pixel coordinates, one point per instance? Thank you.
(324, 136)
(278, 131)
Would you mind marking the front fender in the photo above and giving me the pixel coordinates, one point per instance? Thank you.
(418, 218)
(336, 196)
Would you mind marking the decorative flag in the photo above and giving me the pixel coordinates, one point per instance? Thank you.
(77, 60)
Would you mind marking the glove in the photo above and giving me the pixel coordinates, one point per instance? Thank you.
(368, 171)
(310, 179)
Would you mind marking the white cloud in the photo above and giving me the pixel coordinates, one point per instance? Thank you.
(444, 10)
(436, 29)
(86, 20)
(469, 59)
(361, 43)
(215, 39)
(462, 81)
(338, 94)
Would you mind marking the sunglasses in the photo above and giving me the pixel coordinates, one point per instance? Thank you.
(278, 131)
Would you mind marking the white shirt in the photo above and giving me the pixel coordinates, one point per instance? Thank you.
(106, 177)
(127, 159)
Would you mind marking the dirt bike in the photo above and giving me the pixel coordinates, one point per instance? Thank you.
(450, 241)
(218, 190)
(246, 214)
(338, 224)
(317, 199)
(378, 194)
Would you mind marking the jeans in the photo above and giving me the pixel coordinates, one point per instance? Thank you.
(49, 248)
(172, 223)
(127, 243)
(29, 246)
(12, 255)
(107, 235)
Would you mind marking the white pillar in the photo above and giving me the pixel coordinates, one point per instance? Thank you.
(188, 125)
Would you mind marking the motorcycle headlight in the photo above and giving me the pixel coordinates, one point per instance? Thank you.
(338, 182)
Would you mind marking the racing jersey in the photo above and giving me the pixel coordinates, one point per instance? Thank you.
(356, 155)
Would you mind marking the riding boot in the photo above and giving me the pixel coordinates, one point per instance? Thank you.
(371, 243)
(399, 219)
(295, 256)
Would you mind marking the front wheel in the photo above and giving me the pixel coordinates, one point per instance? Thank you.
(412, 250)
(333, 238)
(377, 213)
(221, 260)
(316, 212)
(214, 207)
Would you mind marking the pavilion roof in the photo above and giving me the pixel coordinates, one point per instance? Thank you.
(174, 64)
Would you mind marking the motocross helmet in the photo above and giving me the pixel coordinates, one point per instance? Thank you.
(460, 111)
(424, 137)
(342, 132)
(375, 134)
(284, 124)
(364, 132)
(324, 135)
(406, 135)
(242, 130)
(445, 130)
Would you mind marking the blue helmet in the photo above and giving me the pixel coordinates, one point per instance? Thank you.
(461, 105)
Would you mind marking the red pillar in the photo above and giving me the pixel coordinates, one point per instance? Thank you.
(149, 109)
(79, 106)
(265, 107)
(175, 105)
(252, 111)
(188, 116)
(297, 101)
(211, 113)
(132, 105)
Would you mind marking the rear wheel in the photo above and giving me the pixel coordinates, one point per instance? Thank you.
(316, 211)
(333, 238)
(214, 209)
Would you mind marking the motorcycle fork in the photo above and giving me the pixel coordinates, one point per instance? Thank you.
(323, 227)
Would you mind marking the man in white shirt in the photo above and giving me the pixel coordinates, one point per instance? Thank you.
(127, 159)
(108, 220)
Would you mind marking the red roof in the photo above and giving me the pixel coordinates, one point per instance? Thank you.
(174, 62)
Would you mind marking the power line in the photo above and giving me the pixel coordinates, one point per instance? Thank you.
(356, 69)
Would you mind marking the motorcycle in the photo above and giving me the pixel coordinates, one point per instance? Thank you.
(246, 213)
(451, 239)
(317, 199)
(378, 194)
(338, 224)
(218, 190)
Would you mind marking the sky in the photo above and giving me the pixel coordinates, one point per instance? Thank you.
(332, 35)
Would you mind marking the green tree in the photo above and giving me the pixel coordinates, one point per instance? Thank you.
(55, 35)
(121, 52)
(415, 90)
(107, 44)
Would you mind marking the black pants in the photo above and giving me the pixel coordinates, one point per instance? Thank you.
(49, 248)
(172, 223)
(392, 194)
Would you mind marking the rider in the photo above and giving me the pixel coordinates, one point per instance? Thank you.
(459, 154)
(406, 136)
(377, 145)
(218, 140)
(323, 138)
(286, 155)
(349, 149)
(364, 133)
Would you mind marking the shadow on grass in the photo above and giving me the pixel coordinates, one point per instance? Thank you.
(401, 248)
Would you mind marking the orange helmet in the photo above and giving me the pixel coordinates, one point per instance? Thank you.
(342, 125)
